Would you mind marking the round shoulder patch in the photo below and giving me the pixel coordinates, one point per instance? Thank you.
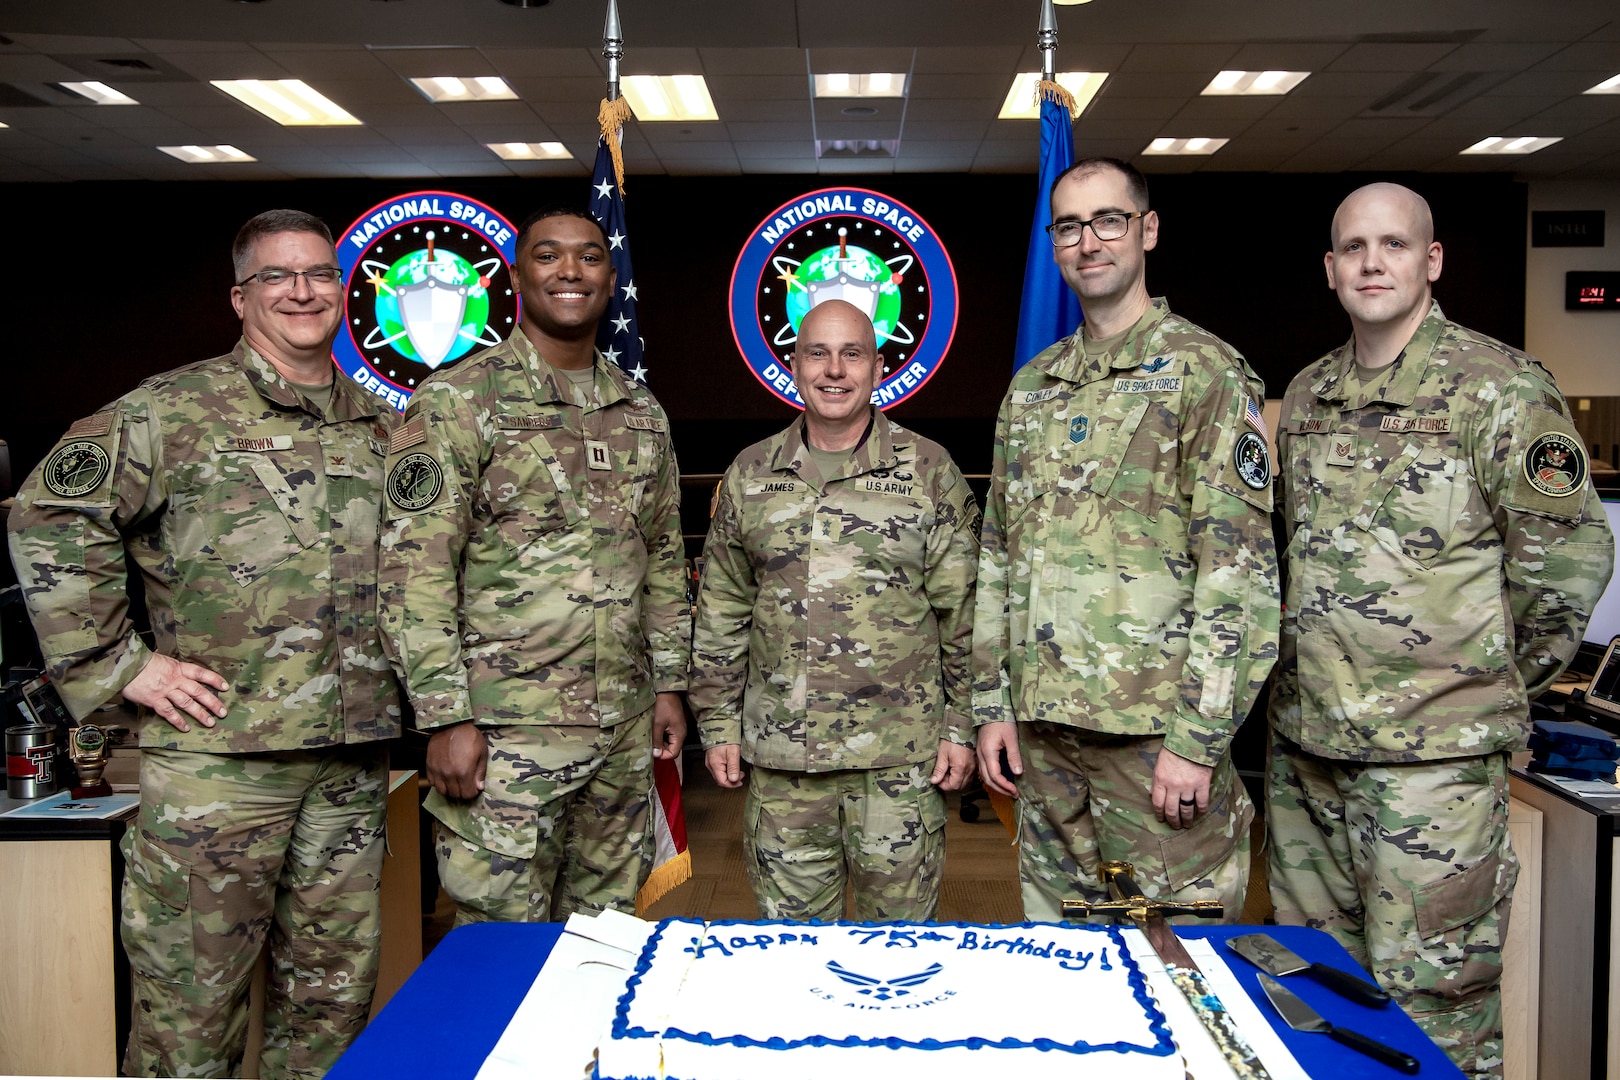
(415, 481)
(76, 468)
(1252, 460)
(1555, 464)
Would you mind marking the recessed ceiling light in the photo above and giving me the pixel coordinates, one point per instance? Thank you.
(840, 84)
(444, 88)
(289, 102)
(654, 98)
(98, 92)
(224, 153)
(530, 151)
(1070, 3)
(1610, 85)
(1509, 144)
(1021, 103)
(1232, 83)
(857, 148)
(1162, 146)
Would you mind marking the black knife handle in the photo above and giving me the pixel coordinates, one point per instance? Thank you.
(1347, 985)
(1355, 1040)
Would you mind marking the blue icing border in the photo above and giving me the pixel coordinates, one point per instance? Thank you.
(1163, 1045)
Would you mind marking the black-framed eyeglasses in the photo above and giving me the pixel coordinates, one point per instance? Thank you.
(321, 277)
(1104, 226)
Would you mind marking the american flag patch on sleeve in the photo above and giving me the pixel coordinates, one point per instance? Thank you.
(1251, 413)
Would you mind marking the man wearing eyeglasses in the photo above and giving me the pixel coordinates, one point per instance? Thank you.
(1127, 605)
(245, 491)
(1446, 549)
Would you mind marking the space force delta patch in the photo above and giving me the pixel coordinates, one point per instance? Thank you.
(415, 481)
(1252, 462)
(1555, 465)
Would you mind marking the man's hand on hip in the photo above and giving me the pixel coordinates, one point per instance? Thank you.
(173, 689)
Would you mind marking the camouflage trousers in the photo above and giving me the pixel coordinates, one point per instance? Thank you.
(1086, 798)
(878, 832)
(227, 851)
(1408, 867)
(563, 824)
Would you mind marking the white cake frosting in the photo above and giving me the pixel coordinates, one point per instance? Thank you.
(808, 1001)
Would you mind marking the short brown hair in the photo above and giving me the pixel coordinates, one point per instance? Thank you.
(268, 224)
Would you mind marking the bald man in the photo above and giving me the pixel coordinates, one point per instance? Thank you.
(834, 627)
(1445, 550)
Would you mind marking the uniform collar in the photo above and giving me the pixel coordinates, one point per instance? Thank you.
(610, 382)
(1071, 364)
(876, 451)
(348, 402)
(1396, 384)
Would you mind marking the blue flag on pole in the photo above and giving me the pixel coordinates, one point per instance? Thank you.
(1048, 310)
(619, 338)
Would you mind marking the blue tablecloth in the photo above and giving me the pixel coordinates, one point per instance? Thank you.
(446, 1019)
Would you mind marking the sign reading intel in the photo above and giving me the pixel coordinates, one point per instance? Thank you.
(426, 280)
(845, 244)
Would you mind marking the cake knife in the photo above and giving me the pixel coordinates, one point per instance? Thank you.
(1301, 1017)
(1269, 955)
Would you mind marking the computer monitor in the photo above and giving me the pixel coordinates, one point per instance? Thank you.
(1605, 624)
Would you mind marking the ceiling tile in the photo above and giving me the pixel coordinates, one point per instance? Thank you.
(1154, 58)
(998, 59)
(753, 62)
(1390, 57)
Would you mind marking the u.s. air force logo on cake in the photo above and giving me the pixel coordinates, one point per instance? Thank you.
(1252, 461)
(845, 244)
(415, 482)
(1555, 464)
(75, 469)
(426, 280)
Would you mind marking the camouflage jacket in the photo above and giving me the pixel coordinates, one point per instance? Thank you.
(252, 520)
(833, 626)
(1445, 549)
(533, 570)
(1128, 578)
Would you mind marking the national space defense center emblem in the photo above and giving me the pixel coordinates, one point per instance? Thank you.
(845, 244)
(426, 280)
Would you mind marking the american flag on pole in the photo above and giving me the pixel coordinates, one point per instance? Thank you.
(619, 339)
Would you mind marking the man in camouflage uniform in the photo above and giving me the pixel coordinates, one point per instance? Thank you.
(534, 601)
(244, 490)
(1445, 550)
(1127, 609)
(832, 642)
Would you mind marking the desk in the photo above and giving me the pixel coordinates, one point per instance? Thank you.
(1579, 1014)
(64, 1002)
(445, 1020)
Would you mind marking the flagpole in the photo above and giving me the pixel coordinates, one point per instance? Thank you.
(1046, 40)
(612, 48)
(1048, 310)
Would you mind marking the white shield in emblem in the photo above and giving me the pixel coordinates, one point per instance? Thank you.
(432, 312)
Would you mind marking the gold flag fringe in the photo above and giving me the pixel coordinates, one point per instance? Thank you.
(664, 879)
(1047, 91)
(611, 117)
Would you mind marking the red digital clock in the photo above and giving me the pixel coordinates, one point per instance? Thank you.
(1592, 290)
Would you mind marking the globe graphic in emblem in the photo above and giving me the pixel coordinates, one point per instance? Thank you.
(857, 276)
(432, 306)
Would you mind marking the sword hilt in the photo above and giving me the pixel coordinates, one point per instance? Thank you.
(1130, 903)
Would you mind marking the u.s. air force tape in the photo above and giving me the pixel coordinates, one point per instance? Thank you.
(76, 468)
(1252, 461)
(415, 481)
(1555, 464)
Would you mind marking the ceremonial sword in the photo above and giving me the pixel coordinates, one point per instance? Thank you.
(1148, 915)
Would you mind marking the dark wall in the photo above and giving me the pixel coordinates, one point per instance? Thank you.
(110, 282)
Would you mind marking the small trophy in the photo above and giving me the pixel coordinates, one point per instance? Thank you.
(88, 749)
